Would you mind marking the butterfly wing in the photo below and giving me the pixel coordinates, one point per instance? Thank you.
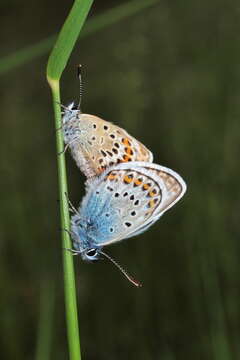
(97, 144)
(174, 185)
(173, 189)
(128, 198)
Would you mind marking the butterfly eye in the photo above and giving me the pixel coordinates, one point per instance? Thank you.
(92, 252)
(92, 255)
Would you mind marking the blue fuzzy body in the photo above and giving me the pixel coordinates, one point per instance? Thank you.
(96, 223)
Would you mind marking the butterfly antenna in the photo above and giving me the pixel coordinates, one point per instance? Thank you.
(79, 74)
(131, 279)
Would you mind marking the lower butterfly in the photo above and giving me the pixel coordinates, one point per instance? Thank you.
(123, 202)
(97, 144)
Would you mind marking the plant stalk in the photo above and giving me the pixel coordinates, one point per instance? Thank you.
(68, 269)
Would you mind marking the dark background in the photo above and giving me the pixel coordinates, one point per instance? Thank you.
(170, 75)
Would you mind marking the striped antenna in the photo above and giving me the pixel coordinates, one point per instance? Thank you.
(130, 278)
(79, 74)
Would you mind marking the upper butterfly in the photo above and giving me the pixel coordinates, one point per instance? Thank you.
(123, 202)
(97, 144)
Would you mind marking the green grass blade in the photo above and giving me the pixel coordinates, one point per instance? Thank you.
(67, 38)
(68, 269)
(116, 14)
(56, 64)
(109, 17)
(25, 55)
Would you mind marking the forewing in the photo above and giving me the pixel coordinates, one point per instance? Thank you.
(174, 185)
(136, 195)
(127, 200)
(99, 144)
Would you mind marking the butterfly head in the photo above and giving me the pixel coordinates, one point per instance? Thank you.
(91, 254)
(83, 235)
(71, 107)
(70, 111)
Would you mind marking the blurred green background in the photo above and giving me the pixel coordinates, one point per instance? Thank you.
(170, 75)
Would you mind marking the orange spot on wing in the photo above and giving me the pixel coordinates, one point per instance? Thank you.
(127, 179)
(151, 203)
(137, 182)
(152, 192)
(126, 158)
(128, 150)
(146, 186)
(111, 177)
(126, 142)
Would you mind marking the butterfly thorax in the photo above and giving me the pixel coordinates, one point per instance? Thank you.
(70, 124)
(76, 134)
(83, 233)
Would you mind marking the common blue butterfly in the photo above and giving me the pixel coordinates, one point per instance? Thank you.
(124, 201)
(97, 144)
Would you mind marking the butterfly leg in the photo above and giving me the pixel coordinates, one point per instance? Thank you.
(71, 206)
(63, 106)
(64, 149)
(67, 231)
(60, 128)
(67, 146)
(74, 252)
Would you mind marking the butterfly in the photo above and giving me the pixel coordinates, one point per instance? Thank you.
(124, 201)
(97, 144)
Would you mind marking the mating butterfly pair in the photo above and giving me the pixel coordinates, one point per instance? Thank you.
(126, 192)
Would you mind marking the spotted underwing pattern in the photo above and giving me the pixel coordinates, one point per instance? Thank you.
(123, 202)
(97, 144)
(126, 192)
